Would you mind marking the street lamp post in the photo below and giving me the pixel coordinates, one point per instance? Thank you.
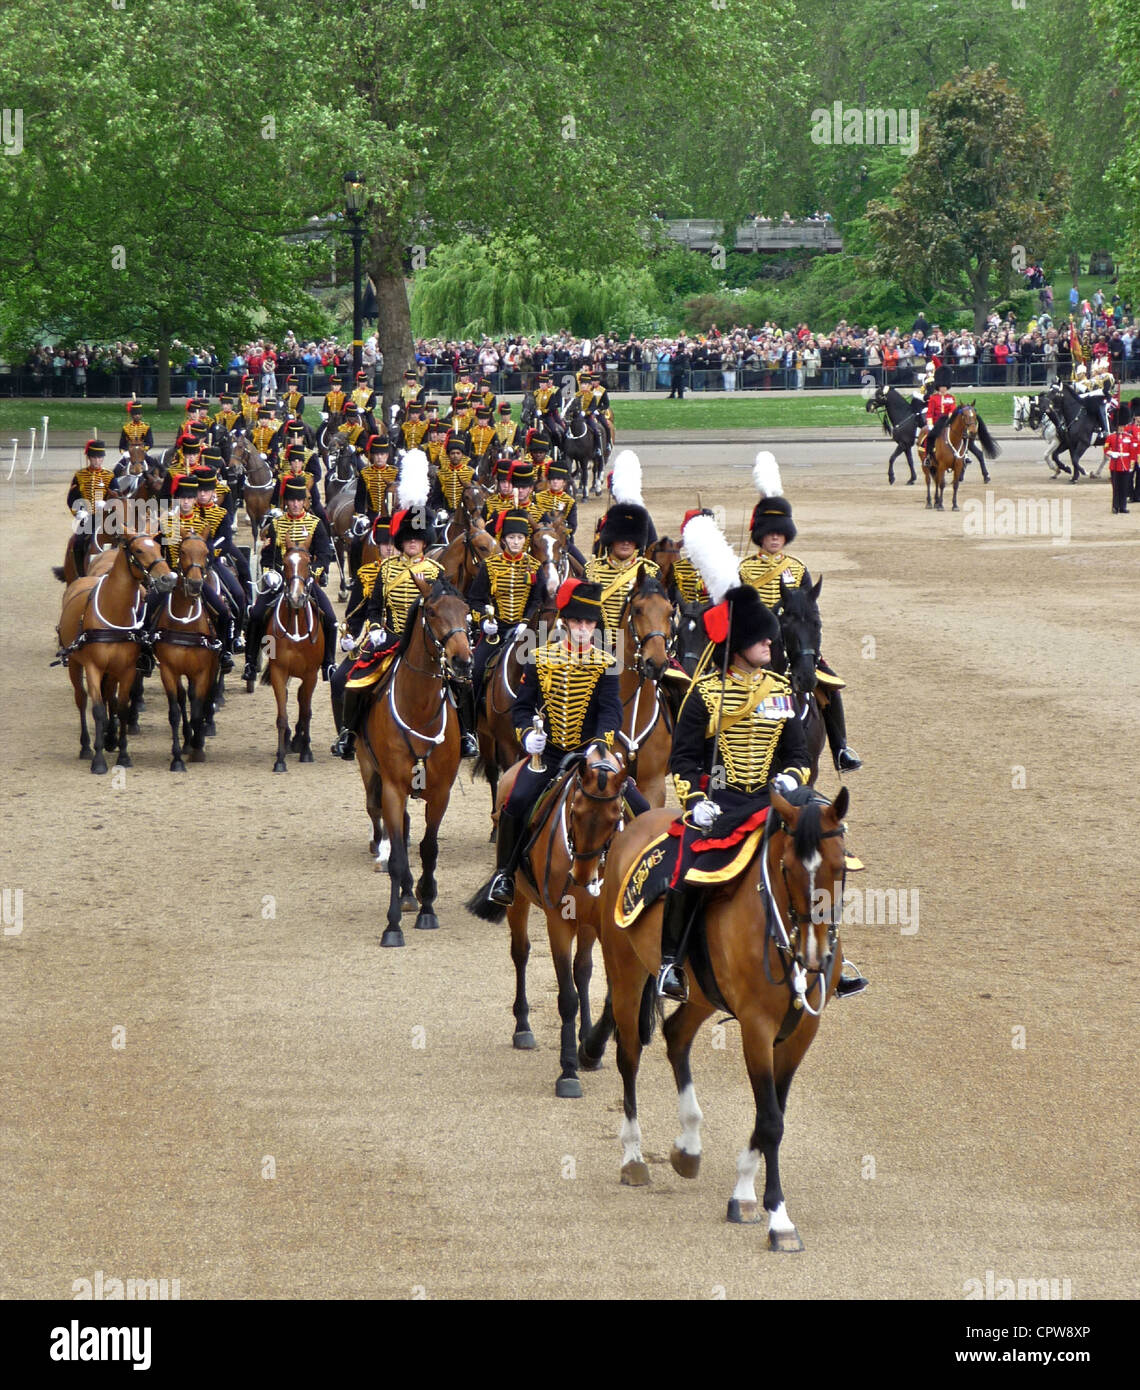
(354, 207)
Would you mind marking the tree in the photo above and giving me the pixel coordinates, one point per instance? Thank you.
(980, 193)
(1118, 18)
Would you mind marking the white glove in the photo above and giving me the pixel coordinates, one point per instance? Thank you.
(271, 580)
(324, 415)
(704, 813)
(784, 783)
(490, 627)
(377, 637)
(265, 458)
(534, 740)
(347, 642)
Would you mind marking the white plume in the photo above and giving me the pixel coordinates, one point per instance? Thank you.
(412, 488)
(712, 555)
(766, 475)
(627, 478)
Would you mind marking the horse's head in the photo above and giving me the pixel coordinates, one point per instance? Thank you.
(298, 577)
(875, 398)
(593, 812)
(647, 620)
(664, 553)
(801, 631)
(548, 546)
(146, 564)
(447, 626)
(689, 636)
(806, 868)
(193, 557)
(1021, 412)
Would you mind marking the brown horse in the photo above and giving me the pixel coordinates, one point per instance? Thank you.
(561, 873)
(186, 649)
(112, 518)
(664, 552)
(469, 513)
(463, 557)
(258, 485)
(951, 445)
(296, 648)
(409, 746)
(645, 631)
(99, 630)
(773, 975)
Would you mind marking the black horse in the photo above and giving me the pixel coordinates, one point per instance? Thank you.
(801, 633)
(1078, 427)
(901, 421)
(689, 633)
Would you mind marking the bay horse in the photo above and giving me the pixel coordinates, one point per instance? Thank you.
(469, 513)
(112, 518)
(99, 629)
(950, 442)
(186, 649)
(560, 874)
(296, 649)
(409, 746)
(769, 954)
(645, 628)
(902, 420)
(258, 482)
(463, 557)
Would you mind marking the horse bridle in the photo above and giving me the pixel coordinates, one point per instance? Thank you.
(639, 641)
(576, 786)
(132, 559)
(439, 644)
(797, 973)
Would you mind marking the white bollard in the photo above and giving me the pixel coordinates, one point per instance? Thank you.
(15, 451)
(31, 468)
(43, 446)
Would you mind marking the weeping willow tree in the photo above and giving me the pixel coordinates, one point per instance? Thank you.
(469, 289)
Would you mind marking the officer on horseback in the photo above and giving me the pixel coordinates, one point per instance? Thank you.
(505, 584)
(216, 526)
(375, 478)
(773, 529)
(135, 431)
(297, 527)
(624, 534)
(354, 629)
(89, 485)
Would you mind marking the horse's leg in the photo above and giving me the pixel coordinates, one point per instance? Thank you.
(910, 464)
(680, 1030)
(757, 1035)
(169, 685)
(408, 900)
(957, 480)
(891, 464)
(592, 1047)
(392, 807)
(123, 706)
(110, 730)
(99, 716)
(517, 914)
(561, 934)
(980, 456)
(305, 717)
(137, 703)
(280, 683)
(199, 689)
(583, 972)
(78, 690)
(435, 806)
(184, 707)
(927, 474)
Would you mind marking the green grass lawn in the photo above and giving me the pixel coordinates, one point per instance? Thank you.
(692, 414)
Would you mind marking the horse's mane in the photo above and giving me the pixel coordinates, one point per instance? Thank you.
(798, 603)
(443, 588)
(650, 584)
(809, 828)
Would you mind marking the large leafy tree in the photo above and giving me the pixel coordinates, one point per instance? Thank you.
(981, 192)
(1119, 22)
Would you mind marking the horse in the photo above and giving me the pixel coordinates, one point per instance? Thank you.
(112, 518)
(1030, 413)
(950, 442)
(769, 954)
(585, 446)
(801, 632)
(296, 649)
(689, 638)
(186, 649)
(99, 629)
(469, 513)
(1078, 429)
(664, 553)
(645, 627)
(560, 873)
(409, 746)
(902, 419)
(463, 557)
(257, 491)
(345, 523)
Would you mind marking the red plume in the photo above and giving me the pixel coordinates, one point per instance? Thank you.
(565, 592)
(716, 622)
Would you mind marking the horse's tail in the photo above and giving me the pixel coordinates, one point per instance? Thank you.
(884, 420)
(648, 1010)
(60, 573)
(481, 768)
(987, 441)
(481, 905)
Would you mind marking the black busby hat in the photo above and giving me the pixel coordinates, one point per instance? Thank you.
(191, 443)
(411, 524)
(943, 378)
(94, 449)
(558, 468)
(458, 442)
(264, 412)
(351, 408)
(295, 490)
(205, 479)
(382, 530)
(225, 398)
(512, 522)
(504, 407)
(522, 473)
(773, 512)
(134, 407)
(211, 456)
(187, 486)
(1124, 414)
(295, 453)
(377, 443)
(199, 429)
(577, 598)
(431, 404)
(625, 521)
(538, 440)
(751, 619)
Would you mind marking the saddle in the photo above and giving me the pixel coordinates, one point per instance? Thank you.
(369, 670)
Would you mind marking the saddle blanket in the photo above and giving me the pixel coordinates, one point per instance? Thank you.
(683, 854)
(370, 668)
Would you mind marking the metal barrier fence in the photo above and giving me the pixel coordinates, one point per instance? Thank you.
(851, 375)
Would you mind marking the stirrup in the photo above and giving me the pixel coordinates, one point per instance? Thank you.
(468, 746)
(671, 982)
(502, 889)
(345, 746)
(847, 760)
(848, 985)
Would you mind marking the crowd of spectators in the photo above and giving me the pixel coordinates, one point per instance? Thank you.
(743, 357)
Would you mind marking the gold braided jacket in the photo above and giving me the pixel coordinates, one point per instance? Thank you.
(746, 746)
(616, 580)
(567, 679)
(763, 573)
(205, 520)
(511, 581)
(554, 503)
(175, 529)
(507, 430)
(377, 482)
(136, 430)
(690, 584)
(93, 483)
(481, 436)
(399, 590)
(291, 532)
(452, 481)
(413, 431)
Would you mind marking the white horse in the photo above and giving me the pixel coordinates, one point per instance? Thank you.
(1028, 415)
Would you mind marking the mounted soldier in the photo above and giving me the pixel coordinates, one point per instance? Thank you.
(365, 398)
(296, 465)
(215, 525)
(293, 401)
(89, 486)
(135, 432)
(453, 474)
(484, 438)
(414, 428)
(505, 592)
(375, 478)
(773, 529)
(622, 538)
(354, 629)
(508, 430)
(556, 501)
(940, 404)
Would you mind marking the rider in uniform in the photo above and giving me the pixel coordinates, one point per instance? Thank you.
(296, 465)
(940, 405)
(505, 585)
(298, 527)
(333, 403)
(484, 437)
(453, 474)
(509, 430)
(622, 541)
(557, 503)
(89, 485)
(365, 398)
(353, 629)
(772, 529)
(267, 436)
(414, 427)
(293, 401)
(136, 430)
(375, 478)
(215, 525)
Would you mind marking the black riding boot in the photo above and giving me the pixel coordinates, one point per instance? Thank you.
(145, 665)
(848, 985)
(845, 759)
(328, 663)
(509, 848)
(671, 983)
(252, 648)
(345, 746)
(465, 709)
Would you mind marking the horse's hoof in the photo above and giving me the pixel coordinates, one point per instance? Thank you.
(891, 481)
(911, 482)
(295, 744)
(588, 1063)
(743, 1213)
(409, 902)
(785, 1242)
(392, 937)
(568, 1088)
(686, 1165)
(306, 755)
(280, 765)
(197, 755)
(635, 1174)
(110, 742)
(928, 506)
(524, 1041)
(219, 700)
(133, 729)
(177, 765)
(427, 921)
(249, 687)
(99, 766)
(124, 760)
(211, 730)
(85, 750)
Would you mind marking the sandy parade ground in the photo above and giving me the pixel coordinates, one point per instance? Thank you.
(215, 1075)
